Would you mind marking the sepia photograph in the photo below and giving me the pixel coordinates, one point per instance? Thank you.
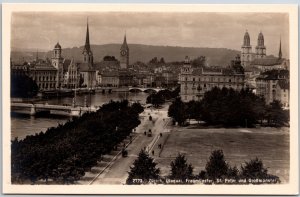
(150, 99)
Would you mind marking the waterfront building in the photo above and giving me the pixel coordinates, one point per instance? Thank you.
(274, 85)
(109, 78)
(194, 82)
(124, 54)
(44, 74)
(71, 74)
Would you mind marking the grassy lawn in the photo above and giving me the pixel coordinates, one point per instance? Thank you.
(239, 145)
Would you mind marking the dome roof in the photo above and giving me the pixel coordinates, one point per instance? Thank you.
(57, 46)
(246, 39)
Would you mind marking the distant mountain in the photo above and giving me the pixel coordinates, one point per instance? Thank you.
(139, 52)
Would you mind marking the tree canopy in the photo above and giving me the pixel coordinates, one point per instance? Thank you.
(180, 169)
(66, 152)
(23, 86)
(143, 169)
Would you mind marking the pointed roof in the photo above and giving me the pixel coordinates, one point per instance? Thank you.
(280, 53)
(87, 46)
(57, 46)
(246, 39)
(124, 45)
(260, 39)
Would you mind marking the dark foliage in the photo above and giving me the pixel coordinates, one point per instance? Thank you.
(109, 58)
(199, 62)
(216, 167)
(161, 96)
(177, 111)
(230, 108)
(23, 86)
(64, 153)
(144, 168)
(180, 170)
(275, 115)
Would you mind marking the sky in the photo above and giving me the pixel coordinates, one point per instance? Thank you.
(42, 30)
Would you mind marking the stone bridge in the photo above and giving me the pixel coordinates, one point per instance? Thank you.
(33, 109)
(145, 89)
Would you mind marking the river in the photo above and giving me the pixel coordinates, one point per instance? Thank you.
(23, 125)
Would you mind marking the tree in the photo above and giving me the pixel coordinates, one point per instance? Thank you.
(144, 168)
(254, 169)
(23, 86)
(162, 61)
(177, 111)
(217, 167)
(137, 108)
(276, 115)
(180, 170)
(229, 108)
(155, 99)
(199, 61)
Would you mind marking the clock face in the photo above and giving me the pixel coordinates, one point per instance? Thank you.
(123, 53)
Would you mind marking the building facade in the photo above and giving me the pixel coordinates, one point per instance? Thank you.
(194, 82)
(274, 85)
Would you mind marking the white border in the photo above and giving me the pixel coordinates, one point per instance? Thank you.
(290, 188)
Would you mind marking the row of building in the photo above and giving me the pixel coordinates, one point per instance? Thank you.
(59, 73)
(267, 76)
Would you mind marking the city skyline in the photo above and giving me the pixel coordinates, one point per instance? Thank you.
(42, 30)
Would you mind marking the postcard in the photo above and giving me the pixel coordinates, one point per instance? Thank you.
(150, 99)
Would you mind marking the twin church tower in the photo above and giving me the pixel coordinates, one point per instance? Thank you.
(260, 50)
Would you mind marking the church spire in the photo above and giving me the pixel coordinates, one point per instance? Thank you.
(124, 45)
(280, 53)
(87, 38)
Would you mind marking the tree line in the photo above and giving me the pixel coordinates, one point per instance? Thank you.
(217, 170)
(230, 108)
(162, 96)
(66, 152)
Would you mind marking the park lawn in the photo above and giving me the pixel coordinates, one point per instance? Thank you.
(238, 144)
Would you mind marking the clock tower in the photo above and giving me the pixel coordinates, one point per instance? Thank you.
(124, 54)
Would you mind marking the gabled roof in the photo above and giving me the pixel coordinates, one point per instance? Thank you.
(66, 64)
(267, 61)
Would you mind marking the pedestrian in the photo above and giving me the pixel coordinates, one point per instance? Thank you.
(160, 134)
(145, 133)
(152, 152)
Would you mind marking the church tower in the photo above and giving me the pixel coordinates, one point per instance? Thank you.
(246, 54)
(87, 52)
(280, 53)
(57, 62)
(260, 49)
(124, 54)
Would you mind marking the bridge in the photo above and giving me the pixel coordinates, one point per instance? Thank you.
(145, 89)
(33, 109)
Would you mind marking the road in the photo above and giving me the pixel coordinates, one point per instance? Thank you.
(117, 172)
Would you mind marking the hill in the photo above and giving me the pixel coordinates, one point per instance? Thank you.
(139, 52)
